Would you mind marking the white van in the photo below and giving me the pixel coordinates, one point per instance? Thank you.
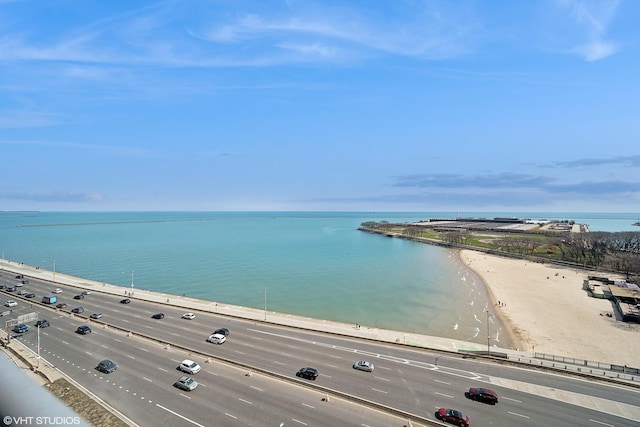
(217, 338)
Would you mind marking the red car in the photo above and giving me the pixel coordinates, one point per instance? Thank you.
(61, 305)
(483, 395)
(452, 416)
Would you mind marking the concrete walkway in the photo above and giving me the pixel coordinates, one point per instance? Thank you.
(193, 304)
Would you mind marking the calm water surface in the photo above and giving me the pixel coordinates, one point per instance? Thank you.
(310, 264)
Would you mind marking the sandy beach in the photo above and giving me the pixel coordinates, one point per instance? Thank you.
(547, 311)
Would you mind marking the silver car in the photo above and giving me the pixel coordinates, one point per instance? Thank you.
(186, 383)
(363, 365)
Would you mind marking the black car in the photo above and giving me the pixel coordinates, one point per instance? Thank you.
(77, 310)
(3, 286)
(106, 366)
(20, 276)
(483, 395)
(158, 316)
(79, 296)
(30, 295)
(11, 288)
(125, 301)
(308, 373)
(42, 323)
(222, 331)
(83, 330)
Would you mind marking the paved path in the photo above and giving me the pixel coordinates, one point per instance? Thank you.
(193, 304)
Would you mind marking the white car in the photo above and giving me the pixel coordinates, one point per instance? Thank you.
(86, 292)
(23, 292)
(10, 303)
(189, 366)
(363, 365)
(189, 316)
(217, 338)
(56, 291)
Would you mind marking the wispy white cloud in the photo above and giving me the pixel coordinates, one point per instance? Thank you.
(592, 18)
(25, 119)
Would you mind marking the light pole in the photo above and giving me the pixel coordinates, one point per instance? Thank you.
(54, 269)
(131, 282)
(265, 303)
(488, 335)
(38, 362)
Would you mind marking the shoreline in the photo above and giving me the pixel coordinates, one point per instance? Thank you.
(252, 314)
(546, 310)
(554, 333)
(506, 324)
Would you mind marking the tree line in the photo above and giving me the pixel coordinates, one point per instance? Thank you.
(615, 251)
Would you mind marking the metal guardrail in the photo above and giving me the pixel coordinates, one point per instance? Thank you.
(631, 378)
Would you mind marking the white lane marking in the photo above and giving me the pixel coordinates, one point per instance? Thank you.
(600, 422)
(298, 421)
(117, 340)
(131, 357)
(178, 415)
(90, 354)
(382, 379)
(145, 378)
(124, 320)
(278, 363)
(418, 364)
(519, 415)
(256, 388)
(381, 391)
(442, 382)
(245, 401)
(239, 352)
(309, 406)
(442, 394)
(232, 416)
(144, 349)
(162, 369)
(184, 395)
(64, 342)
(513, 400)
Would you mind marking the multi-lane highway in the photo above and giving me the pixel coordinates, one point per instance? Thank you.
(411, 380)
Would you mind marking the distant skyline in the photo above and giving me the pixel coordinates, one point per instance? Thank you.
(393, 105)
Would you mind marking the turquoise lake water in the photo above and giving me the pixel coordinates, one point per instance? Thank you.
(314, 264)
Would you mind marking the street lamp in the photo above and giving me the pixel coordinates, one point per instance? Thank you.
(265, 303)
(38, 360)
(131, 283)
(54, 269)
(488, 336)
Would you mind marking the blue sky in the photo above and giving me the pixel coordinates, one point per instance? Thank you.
(394, 105)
